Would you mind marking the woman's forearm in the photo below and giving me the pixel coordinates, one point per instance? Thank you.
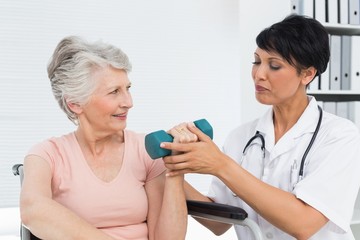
(172, 222)
(48, 219)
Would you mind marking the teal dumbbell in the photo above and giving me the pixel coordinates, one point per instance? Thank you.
(153, 140)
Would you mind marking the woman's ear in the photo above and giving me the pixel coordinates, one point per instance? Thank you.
(309, 75)
(74, 107)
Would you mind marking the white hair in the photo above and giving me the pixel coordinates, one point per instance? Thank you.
(70, 70)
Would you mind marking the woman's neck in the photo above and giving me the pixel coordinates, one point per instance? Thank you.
(286, 116)
(96, 142)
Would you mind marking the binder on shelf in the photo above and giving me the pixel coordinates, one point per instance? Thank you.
(342, 109)
(307, 7)
(331, 13)
(345, 62)
(335, 62)
(355, 64)
(354, 11)
(295, 7)
(319, 11)
(314, 84)
(303, 7)
(329, 107)
(344, 11)
(325, 79)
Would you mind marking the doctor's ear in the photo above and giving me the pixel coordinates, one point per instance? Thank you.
(308, 75)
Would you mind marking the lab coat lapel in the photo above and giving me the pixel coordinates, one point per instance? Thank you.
(306, 124)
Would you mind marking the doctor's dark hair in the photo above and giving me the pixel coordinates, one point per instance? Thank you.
(72, 65)
(302, 41)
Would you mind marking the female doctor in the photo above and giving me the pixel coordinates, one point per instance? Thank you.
(295, 170)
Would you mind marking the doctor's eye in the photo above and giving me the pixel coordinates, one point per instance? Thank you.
(256, 62)
(274, 67)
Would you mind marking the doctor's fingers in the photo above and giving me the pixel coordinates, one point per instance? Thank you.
(173, 166)
(200, 135)
(177, 169)
(188, 163)
(176, 146)
(195, 151)
(173, 173)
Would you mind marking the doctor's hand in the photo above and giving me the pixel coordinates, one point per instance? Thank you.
(190, 155)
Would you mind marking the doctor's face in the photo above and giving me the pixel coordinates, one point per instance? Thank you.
(276, 81)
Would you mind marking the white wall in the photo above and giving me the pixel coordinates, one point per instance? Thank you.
(191, 60)
(185, 57)
(254, 16)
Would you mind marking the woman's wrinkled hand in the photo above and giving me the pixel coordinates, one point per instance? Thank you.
(193, 151)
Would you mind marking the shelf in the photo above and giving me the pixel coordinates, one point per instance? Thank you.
(342, 29)
(335, 96)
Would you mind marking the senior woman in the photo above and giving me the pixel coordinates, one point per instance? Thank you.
(97, 182)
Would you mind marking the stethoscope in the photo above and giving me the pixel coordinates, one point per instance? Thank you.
(301, 170)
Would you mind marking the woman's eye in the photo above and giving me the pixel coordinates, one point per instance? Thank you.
(115, 91)
(256, 62)
(274, 67)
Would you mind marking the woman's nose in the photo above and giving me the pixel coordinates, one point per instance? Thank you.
(258, 72)
(126, 100)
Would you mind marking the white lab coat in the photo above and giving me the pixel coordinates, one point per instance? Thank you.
(331, 180)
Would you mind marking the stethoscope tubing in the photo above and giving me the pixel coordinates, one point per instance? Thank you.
(302, 164)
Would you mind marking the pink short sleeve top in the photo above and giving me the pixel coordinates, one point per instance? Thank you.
(118, 207)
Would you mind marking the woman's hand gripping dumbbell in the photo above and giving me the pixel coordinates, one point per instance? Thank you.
(153, 140)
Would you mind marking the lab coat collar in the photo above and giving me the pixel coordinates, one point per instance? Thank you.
(308, 120)
(305, 124)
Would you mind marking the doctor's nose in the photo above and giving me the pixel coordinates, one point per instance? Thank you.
(258, 72)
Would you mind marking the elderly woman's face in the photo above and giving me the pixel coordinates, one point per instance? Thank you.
(276, 81)
(109, 105)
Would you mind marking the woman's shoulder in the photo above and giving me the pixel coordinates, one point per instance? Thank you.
(135, 145)
(337, 126)
(60, 139)
(134, 137)
(55, 142)
(333, 121)
(135, 142)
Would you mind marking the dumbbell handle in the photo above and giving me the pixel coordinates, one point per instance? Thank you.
(153, 140)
